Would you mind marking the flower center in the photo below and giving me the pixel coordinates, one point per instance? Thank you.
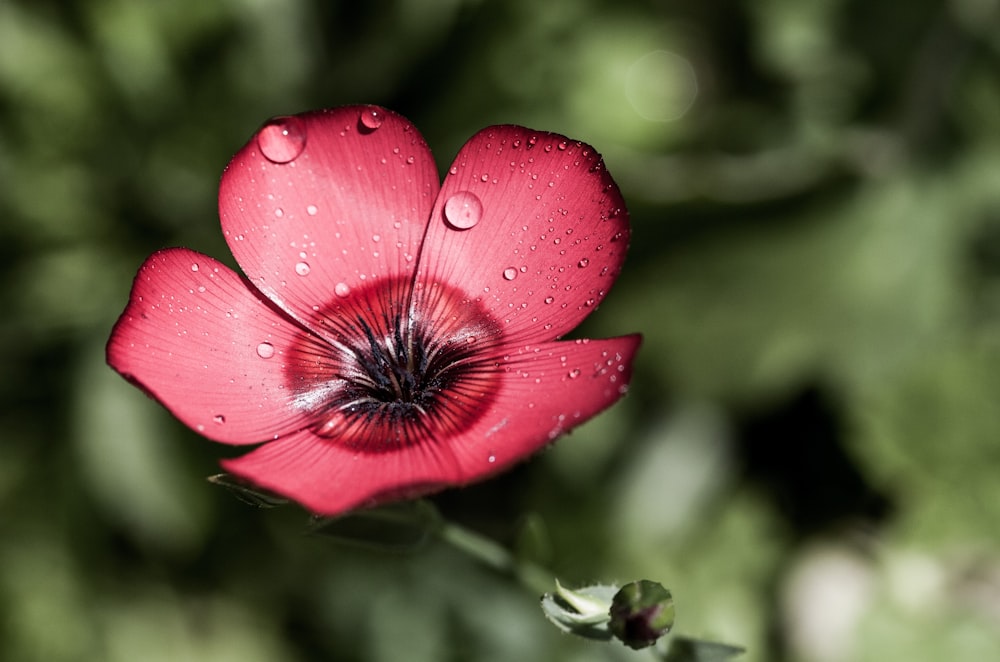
(391, 368)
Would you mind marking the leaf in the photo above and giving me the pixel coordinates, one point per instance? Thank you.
(685, 649)
(247, 492)
(397, 527)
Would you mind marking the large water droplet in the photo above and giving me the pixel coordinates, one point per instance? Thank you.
(372, 118)
(341, 290)
(509, 273)
(282, 139)
(302, 268)
(265, 350)
(463, 210)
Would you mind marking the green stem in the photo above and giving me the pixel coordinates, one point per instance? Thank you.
(496, 556)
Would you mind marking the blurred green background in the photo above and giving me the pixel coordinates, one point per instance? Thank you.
(810, 450)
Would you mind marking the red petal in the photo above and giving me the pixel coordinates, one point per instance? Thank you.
(550, 238)
(200, 340)
(337, 203)
(550, 389)
(330, 479)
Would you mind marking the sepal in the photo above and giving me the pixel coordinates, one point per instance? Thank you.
(641, 612)
(582, 611)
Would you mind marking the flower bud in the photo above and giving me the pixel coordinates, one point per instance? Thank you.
(641, 613)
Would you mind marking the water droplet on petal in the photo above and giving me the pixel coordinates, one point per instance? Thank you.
(312, 210)
(341, 290)
(372, 118)
(492, 458)
(583, 262)
(509, 273)
(574, 373)
(302, 268)
(219, 418)
(282, 139)
(265, 350)
(549, 299)
(463, 210)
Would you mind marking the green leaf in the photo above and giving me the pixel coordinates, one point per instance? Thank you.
(685, 649)
(398, 527)
(248, 492)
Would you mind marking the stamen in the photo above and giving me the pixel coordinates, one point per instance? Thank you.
(389, 379)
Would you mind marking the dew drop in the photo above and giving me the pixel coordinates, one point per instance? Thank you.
(509, 273)
(583, 262)
(265, 350)
(549, 299)
(219, 418)
(492, 458)
(302, 268)
(194, 267)
(341, 290)
(372, 118)
(574, 373)
(463, 210)
(312, 210)
(282, 139)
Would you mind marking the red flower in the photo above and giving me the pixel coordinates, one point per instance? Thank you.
(393, 336)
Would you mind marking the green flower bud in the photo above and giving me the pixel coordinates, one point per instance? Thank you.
(641, 613)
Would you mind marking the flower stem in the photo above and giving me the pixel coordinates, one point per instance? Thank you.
(486, 551)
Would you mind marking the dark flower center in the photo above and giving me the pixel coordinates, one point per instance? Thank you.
(392, 365)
